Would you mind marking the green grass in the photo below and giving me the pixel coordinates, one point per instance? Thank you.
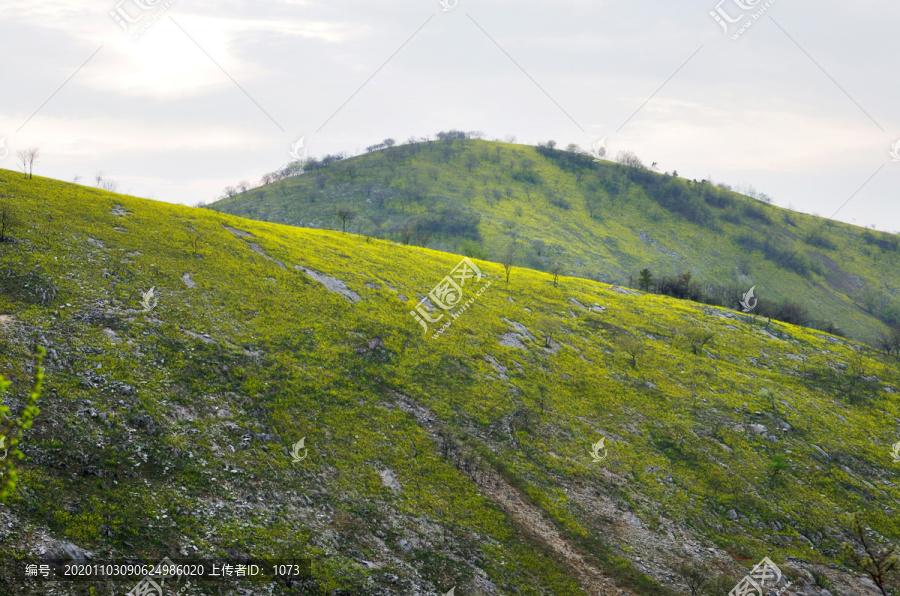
(152, 472)
(840, 273)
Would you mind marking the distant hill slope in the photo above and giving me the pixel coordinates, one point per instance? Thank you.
(598, 220)
(464, 460)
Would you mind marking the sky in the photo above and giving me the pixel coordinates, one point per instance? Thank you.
(176, 99)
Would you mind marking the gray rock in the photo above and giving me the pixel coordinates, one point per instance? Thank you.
(511, 340)
(186, 278)
(821, 452)
(389, 479)
(66, 551)
(501, 370)
(757, 428)
(332, 284)
(732, 514)
(258, 250)
(575, 302)
(238, 233)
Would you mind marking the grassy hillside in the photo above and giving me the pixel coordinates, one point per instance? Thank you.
(460, 461)
(598, 220)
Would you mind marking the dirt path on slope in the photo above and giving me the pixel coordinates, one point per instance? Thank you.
(527, 515)
(531, 517)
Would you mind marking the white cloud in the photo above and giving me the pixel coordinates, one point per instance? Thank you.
(164, 63)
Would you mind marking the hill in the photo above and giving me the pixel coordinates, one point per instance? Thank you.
(595, 219)
(561, 436)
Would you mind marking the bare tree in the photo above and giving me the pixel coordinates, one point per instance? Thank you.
(509, 258)
(345, 214)
(34, 154)
(98, 178)
(243, 186)
(630, 159)
(555, 271)
(876, 562)
(28, 157)
(230, 191)
(110, 185)
(695, 576)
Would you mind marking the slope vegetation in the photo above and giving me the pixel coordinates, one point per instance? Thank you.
(461, 460)
(597, 220)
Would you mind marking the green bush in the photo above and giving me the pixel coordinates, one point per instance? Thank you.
(473, 249)
(820, 240)
(449, 221)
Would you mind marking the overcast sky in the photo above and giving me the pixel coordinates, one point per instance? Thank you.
(197, 95)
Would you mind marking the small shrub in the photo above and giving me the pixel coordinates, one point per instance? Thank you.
(820, 240)
(698, 339)
(633, 347)
(757, 213)
(822, 580)
(473, 250)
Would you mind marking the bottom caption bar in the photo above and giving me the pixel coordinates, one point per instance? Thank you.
(153, 576)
